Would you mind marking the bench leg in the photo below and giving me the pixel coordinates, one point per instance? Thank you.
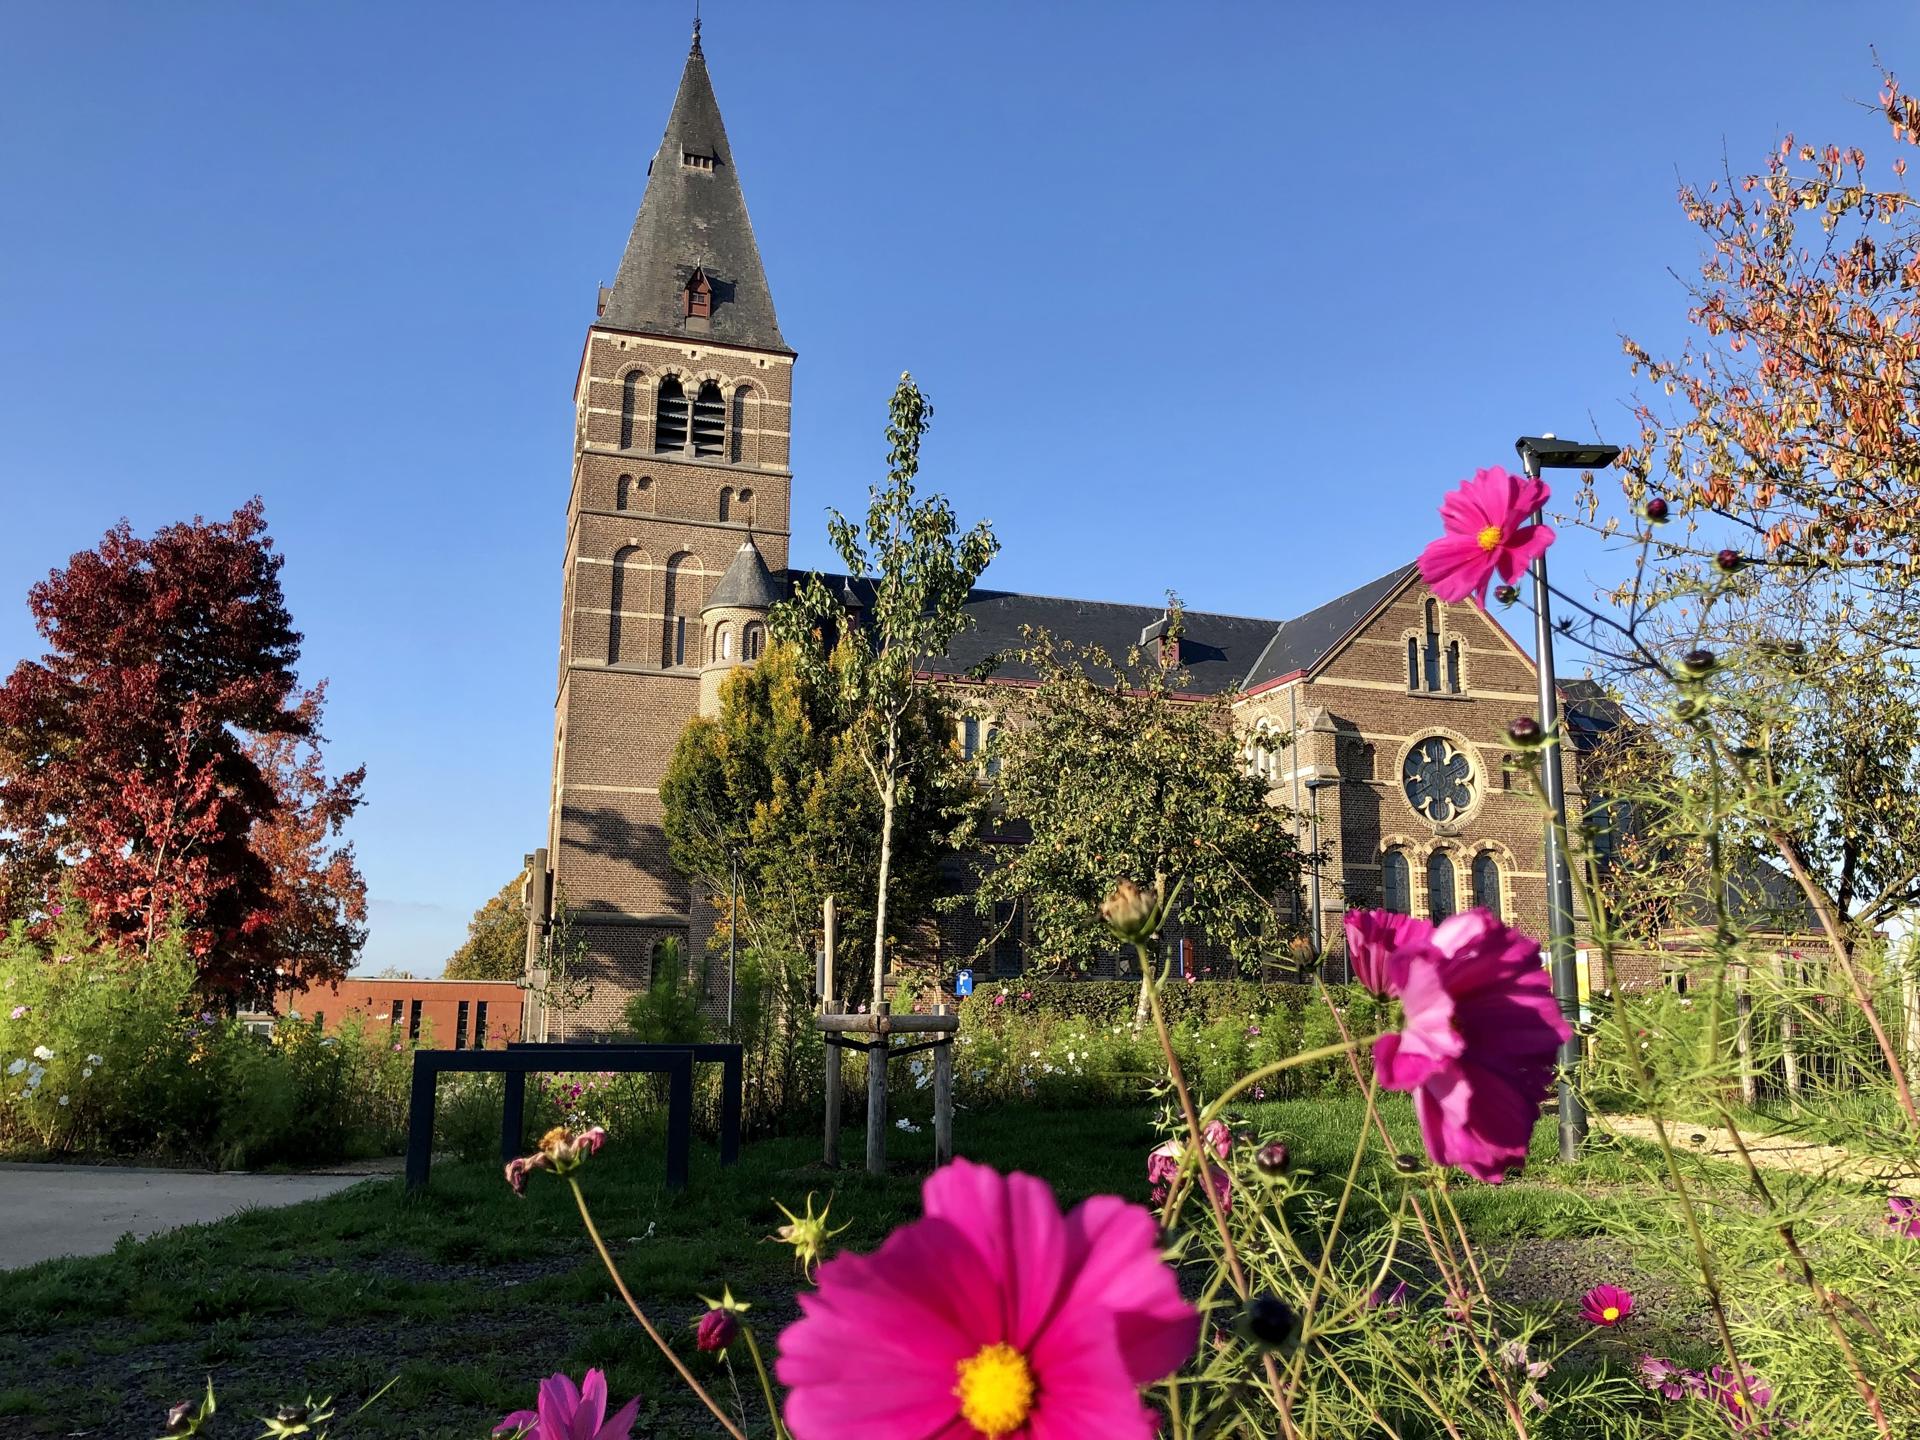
(732, 1081)
(942, 1103)
(679, 1122)
(831, 1155)
(513, 1116)
(877, 1107)
(420, 1122)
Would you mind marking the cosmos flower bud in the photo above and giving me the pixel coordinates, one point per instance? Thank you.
(1131, 911)
(1268, 1322)
(1272, 1159)
(180, 1419)
(1506, 594)
(1657, 510)
(717, 1330)
(1409, 1164)
(1525, 731)
(1687, 708)
(1729, 561)
(1698, 663)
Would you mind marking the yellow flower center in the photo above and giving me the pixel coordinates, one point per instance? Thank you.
(1491, 537)
(1612, 1312)
(995, 1390)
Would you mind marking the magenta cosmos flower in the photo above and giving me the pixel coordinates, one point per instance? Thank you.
(1163, 1164)
(1378, 943)
(1487, 521)
(569, 1412)
(1478, 1046)
(1606, 1305)
(1746, 1413)
(994, 1315)
(1903, 1215)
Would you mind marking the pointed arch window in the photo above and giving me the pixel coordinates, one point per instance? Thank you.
(1441, 901)
(1413, 664)
(1430, 650)
(1486, 882)
(670, 416)
(1396, 883)
(1453, 667)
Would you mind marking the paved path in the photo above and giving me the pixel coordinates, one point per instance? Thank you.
(1770, 1152)
(54, 1210)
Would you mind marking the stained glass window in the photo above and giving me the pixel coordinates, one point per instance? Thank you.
(1396, 883)
(1438, 780)
(1440, 899)
(1486, 882)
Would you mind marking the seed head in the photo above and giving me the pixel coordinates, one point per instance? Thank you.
(1131, 911)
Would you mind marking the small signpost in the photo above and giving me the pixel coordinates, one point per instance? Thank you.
(882, 1025)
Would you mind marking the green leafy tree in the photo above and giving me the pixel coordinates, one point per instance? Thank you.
(777, 787)
(922, 569)
(1118, 776)
(496, 943)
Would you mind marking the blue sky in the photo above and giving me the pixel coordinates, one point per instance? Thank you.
(1216, 297)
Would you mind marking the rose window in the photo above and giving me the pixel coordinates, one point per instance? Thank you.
(1438, 780)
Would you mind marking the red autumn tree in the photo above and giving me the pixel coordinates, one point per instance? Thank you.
(160, 764)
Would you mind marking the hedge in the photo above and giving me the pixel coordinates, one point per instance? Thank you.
(1109, 1002)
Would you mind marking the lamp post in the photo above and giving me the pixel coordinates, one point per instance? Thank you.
(1314, 787)
(733, 936)
(1537, 453)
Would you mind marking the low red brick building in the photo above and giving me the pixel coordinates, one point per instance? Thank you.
(443, 1014)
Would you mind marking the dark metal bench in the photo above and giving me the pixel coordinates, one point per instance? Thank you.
(727, 1057)
(516, 1061)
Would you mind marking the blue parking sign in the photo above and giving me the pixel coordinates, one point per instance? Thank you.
(963, 986)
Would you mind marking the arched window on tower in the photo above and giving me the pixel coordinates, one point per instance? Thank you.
(1453, 667)
(743, 507)
(1441, 901)
(1396, 883)
(726, 642)
(1486, 882)
(737, 431)
(726, 503)
(709, 422)
(670, 416)
(629, 594)
(1413, 663)
(622, 492)
(752, 640)
(680, 603)
(631, 391)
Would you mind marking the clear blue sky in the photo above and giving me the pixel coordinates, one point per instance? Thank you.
(1217, 297)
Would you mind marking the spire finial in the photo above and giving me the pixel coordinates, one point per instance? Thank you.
(696, 27)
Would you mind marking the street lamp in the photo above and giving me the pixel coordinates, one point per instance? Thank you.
(1314, 787)
(1537, 453)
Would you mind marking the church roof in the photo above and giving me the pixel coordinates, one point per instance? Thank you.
(747, 585)
(694, 216)
(1301, 643)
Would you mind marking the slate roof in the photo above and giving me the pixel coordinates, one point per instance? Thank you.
(1302, 643)
(694, 218)
(1218, 652)
(747, 585)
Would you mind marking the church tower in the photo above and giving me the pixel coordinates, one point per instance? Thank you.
(680, 482)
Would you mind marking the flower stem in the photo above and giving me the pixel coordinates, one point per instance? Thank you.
(766, 1385)
(619, 1284)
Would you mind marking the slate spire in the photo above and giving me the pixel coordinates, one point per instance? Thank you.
(694, 217)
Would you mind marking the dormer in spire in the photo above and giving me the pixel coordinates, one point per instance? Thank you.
(691, 266)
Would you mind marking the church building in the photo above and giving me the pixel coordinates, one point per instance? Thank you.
(1396, 705)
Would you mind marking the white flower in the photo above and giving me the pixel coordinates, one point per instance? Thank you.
(41, 1052)
(34, 1072)
(95, 1060)
(85, 1073)
(907, 1125)
(65, 1098)
(16, 1067)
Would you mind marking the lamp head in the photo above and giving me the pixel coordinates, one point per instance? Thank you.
(1549, 452)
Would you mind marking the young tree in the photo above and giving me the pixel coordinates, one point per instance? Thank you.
(496, 943)
(774, 792)
(1119, 776)
(159, 763)
(922, 571)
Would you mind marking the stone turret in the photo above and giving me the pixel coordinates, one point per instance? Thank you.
(735, 621)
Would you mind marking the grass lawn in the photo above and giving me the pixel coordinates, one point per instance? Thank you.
(467, 1295)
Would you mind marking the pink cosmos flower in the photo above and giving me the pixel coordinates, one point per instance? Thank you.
(20, 1012)
(1394, 1299)
(995, 1315)
(1163, 1165)
(1606, 1305)
(1377, 944)
(1745, 1413)
(569, 1412)
(1903, 1215)
(1482, 1028)
(1487, 529)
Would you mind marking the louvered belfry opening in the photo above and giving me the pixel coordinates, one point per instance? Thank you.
(709, 421)
(670, 416)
